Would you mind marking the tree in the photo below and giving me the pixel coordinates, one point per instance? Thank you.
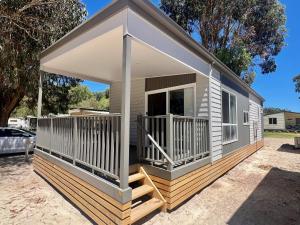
(28, 27)
(79, 93)
(296, 80)
(272, 110)
(81, 97)
(241, 33)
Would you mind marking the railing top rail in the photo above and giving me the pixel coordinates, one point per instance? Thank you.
(81, 116)
(176, 116)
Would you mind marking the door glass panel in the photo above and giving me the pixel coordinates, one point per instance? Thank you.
(182, 102)
(157, 104)
(189, 102)
(177, 102)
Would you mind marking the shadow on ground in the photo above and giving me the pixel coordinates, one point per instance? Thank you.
(288, 148)
(14, 160)
(275, 201)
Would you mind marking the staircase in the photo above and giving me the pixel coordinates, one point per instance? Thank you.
(145, 196)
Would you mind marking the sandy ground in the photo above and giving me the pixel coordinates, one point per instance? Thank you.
(262, 190)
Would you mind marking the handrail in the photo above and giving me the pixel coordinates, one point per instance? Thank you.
(160, 149)
(86, 115)
(157, 145)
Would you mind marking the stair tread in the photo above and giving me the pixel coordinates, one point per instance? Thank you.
(141, 191)
(135, 177)
(144, 209)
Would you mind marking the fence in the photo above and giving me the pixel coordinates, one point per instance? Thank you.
(90, 142)
(169, 140)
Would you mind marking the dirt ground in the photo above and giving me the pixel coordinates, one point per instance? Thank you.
(262, 190)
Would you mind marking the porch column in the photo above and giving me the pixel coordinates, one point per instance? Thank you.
(40, 96)
(125, 122)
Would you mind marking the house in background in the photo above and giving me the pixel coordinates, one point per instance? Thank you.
(180, 113)
(282, 121)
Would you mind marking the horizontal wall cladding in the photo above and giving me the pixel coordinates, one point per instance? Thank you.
(280, 122)
(137, 103)
(216, 118)
(202, 96)
(255, 116)
(101, 208)
(169, 81)
(180, 189)
(242, 105)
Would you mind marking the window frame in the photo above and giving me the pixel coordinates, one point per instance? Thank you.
(246, 123)
(273, 119)
(236, 115)
(167, 91)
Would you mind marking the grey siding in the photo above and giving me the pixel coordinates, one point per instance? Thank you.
(137, 104)
(202, 96)
(255, 116)
(280, 122)
(216, 117)
(242, 105)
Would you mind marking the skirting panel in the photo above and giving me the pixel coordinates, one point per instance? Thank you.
(100, 207)
(180, 189)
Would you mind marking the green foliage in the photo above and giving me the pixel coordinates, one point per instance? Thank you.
(24, 110)
(79, 93)
(81, 97)
(242, 34)
(296, 80)
(272, 110)
(28, 27)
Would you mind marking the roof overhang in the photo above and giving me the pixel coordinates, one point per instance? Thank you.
(160, 47)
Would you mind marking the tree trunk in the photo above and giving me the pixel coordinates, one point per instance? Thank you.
(8, 105)
(4, 116)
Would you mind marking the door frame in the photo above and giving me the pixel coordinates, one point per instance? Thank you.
(167, 90)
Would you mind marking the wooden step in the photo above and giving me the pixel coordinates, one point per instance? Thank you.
(135, 177)
(141, 191)
(144, 209)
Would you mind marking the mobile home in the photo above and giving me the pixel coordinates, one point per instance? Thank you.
(282, 121)
(179, 118)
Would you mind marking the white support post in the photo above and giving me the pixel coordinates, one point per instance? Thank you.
(125, 121)
(40, 96)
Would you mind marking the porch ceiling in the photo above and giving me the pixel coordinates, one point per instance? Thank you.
(100, 59)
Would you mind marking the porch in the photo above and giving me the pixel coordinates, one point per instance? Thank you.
(93, 143)
(125, 47)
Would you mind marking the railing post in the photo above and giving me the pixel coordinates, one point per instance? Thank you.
(51, 134)
(139, 136)
(170, 141)
(75, 140)
(194, 139)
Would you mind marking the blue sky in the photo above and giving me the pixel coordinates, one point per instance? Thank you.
(277, 88)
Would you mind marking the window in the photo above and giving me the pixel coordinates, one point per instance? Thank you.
(273, 121)
(178, 100)
(246, 117)
(229, 117)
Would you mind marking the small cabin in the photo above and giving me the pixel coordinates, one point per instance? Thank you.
(178, 120)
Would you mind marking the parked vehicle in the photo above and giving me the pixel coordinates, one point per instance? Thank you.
(16, 123)
(15, 141)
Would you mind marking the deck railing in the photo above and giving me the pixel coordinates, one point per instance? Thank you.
(89, 142)
(184, 139)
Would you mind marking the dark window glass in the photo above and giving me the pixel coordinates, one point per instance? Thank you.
(225, 107)
(177, 102)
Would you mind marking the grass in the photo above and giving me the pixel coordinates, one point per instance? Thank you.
(278, 134)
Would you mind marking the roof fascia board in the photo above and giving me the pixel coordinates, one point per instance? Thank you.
(103, 15)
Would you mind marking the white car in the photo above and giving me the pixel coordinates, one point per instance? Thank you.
(15, 141)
